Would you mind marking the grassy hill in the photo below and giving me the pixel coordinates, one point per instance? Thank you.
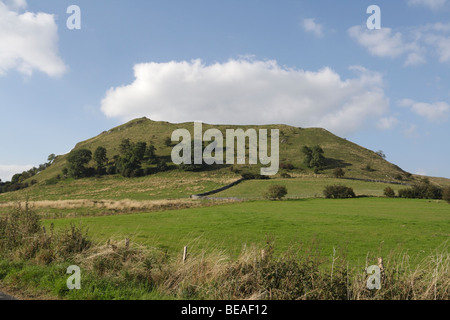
(338, 152)
(173, 184)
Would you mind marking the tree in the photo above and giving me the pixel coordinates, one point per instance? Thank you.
(125, 146)
(162, 166)
(308, 156)
(422, 190)
(338, 192)
(51, 158)
(317, 157)
(275, 192)
(150, 153)
(100, 159)
(389, 192)
(139, 150)
(313, 157)
(77, 160)
(338, 173)
(446, 194)
(16, 178)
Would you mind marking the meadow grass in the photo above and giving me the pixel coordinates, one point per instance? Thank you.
(174, 184)
(357, 226)
(305, 187)
(287, 263)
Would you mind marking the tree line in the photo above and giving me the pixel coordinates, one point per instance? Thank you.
(134, 160)
(18, 180)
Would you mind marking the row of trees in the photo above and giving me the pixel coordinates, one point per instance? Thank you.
(133, 161)
(421, 190)
(17, 180)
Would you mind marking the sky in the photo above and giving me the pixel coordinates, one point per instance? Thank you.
(301, 63)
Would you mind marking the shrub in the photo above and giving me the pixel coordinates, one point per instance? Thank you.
(111, 170)
(286, 166)
(421, 190)
(338, 172)
(338, 192)
(254, 176)
(21, 224)
(446, 194)
(137, 173)
(162, 166)
(275, 192)
(389, 192)
(148, 171)
(72, 241)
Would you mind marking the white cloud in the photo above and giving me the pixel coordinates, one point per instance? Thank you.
(411, 131)
(385, 43)
(421, 172)
(309, 25)
(16, 4)
(431, 4)
(436, 112)
(243, 92)
(28, 41)
(387, 123)
(430, 39)
(7, 171)
(414, 58)
(441, 44)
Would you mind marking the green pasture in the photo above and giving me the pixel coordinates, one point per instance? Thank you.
(305, 187)
(360, 227)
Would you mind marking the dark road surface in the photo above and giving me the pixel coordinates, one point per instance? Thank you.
(5, 297)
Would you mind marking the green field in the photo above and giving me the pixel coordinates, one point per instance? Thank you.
(305, 188)
(358, 226)
(174, 184)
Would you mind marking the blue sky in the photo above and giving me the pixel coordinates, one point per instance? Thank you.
(303, 63)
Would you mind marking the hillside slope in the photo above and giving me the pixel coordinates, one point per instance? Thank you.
(337, 151)
(176, 183)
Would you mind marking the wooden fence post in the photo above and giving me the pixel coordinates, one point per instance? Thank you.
(184, 254)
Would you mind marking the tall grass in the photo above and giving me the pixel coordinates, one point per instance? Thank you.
(34, 257)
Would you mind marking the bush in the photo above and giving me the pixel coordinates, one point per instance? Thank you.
(254, 176)
(338, 173)
(389, 192)
(21, 224)
(23, 237)
(275, 192)
(111, 170)
(338, 192)
(287, 166)
(73, 241)
(285, 175)
(162, 166)
(421, 190)
(446, 194)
